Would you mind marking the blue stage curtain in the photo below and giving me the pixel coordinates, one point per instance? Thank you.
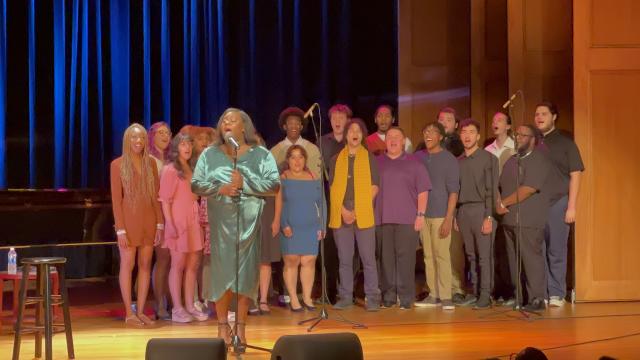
(80, 72)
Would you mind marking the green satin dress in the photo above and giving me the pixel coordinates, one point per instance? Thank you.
(261, 178)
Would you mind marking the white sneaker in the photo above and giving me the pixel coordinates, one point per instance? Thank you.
(181, 316)
(556, 301)
(199, 315)
(202, 307)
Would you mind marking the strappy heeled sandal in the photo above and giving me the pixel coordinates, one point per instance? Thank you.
(133, 320)
(146, 319)
(224, 332)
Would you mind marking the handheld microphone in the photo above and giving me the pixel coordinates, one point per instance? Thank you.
(506, 104)
(229, 138)
(308, 113)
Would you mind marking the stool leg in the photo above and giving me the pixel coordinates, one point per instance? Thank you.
(18, 327)
(39, 322)
(48, 324)
(2, 299)
(56, 290)
(62, 280)
(16, 296)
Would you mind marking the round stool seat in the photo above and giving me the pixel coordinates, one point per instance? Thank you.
(44, 260)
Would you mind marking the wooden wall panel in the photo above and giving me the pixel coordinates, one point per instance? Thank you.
(615, 25)
(489, 82)
(540, 56)
(433, 61)
(607, 83)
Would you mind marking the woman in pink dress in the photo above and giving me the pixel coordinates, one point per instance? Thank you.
(182, 229)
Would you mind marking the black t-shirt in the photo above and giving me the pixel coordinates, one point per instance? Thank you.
(453, 144)
(565, 159)
(535, 169)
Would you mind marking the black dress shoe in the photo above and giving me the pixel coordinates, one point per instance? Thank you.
(484, 302)
(535, 305)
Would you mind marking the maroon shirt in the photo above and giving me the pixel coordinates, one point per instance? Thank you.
(401, 180)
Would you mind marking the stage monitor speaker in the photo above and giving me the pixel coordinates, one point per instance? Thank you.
(343, 346)
(192, 349)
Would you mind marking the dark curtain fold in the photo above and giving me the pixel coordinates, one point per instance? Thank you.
(74, 74)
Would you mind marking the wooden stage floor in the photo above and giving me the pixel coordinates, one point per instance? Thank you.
(583, 331)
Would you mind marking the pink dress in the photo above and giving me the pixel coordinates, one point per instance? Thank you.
(186, 235)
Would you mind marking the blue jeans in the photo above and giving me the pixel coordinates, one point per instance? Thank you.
(556, 236)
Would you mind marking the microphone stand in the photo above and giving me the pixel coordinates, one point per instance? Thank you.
(324, 314)
(517, 306)
(236, 343)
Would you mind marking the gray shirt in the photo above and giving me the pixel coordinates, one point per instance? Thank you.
(534, 172)
(444, 173)
(479, 180)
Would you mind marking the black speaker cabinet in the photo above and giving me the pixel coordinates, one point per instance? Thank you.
(343, 346)
(192, 349)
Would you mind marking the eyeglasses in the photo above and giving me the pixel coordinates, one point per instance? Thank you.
(163, 132)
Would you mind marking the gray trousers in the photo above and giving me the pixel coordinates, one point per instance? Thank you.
(531, 244)
(477, 246)
(556, 235)
(397, 245)
(345, 238)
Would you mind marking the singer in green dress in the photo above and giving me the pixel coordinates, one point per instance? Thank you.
(255, 177)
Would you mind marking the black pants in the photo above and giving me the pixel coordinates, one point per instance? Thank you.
(503, 286)
(396, 248)
(531, 256)
(478, 247)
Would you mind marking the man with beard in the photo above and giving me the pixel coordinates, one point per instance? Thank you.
(478, 190)
(384, 119)
(567, 168)
(529, 197)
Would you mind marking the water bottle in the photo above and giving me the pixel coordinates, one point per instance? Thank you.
(12, 263)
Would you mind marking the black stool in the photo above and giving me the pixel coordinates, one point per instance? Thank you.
(44, 301)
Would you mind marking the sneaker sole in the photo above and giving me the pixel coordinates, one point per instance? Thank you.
(448, 308)
(426, 305)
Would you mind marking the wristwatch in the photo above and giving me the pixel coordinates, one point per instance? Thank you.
(420, 214)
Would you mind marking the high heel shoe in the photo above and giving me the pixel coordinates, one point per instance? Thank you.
(308, 307)
(240, 348)
(296, 310)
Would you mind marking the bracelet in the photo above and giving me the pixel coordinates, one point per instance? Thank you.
(160, 226)
(420, 214)
(121, 232)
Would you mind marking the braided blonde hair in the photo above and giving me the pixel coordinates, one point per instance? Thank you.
(143, 190)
